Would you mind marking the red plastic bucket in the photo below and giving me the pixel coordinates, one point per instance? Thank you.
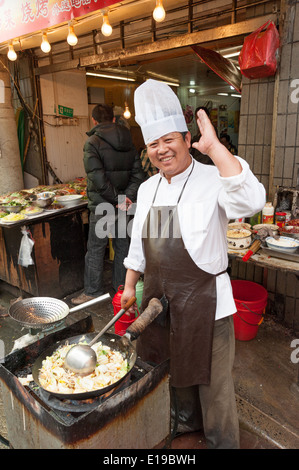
(120, 327)
(251, 300)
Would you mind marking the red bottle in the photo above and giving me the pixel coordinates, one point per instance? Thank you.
(124, 322)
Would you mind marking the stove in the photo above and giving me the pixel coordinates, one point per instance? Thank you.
(133, 415)
(35, 334)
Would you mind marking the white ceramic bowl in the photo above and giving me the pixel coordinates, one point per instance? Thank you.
(283, 244)
(238, 239)
(70, 200)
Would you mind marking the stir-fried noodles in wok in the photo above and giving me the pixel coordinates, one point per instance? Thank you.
(111, 367)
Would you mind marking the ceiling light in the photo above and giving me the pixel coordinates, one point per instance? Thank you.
(106, 28)
(233, 54)
(222, 94)
(167, 83)
(12, 55)
(45, 45)
(159, 12)
(72, 38)
(115, 77)
(236, 96)
(127, 113)
(163, 78)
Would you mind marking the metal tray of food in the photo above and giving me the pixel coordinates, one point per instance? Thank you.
(278, 254)
(290, 231)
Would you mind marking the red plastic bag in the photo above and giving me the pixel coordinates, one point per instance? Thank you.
(258, 57)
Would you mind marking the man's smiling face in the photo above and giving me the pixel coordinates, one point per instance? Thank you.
(170, 153)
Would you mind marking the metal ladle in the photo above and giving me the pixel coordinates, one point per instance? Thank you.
(81, 358)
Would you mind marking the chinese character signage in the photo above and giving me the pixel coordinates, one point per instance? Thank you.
(21, 17)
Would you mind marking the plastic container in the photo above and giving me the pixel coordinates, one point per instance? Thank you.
(139, 293)
(251, 300)
(268, 213)
(120, 327)
(280, 219)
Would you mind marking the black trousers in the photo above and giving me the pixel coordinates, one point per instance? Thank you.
(94, 259)
(213, 407)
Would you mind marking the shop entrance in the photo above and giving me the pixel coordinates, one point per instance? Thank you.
(195, 83)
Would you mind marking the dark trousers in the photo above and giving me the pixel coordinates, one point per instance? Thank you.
(94, 260)
(213, 407)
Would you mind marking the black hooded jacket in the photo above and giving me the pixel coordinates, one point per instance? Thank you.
(112, 165)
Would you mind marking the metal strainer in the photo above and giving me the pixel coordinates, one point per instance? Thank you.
(40, 312)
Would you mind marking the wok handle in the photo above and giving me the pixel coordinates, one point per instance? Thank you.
(114, 320)
(153, 309)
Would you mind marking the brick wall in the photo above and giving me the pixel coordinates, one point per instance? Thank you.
(256, 116)
(255, 131)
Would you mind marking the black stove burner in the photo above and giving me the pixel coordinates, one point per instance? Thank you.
(47, 328)
(70, 406)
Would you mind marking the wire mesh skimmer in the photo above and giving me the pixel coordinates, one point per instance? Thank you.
(40, 312)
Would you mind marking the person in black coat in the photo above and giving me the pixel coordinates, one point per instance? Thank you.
(114, 174)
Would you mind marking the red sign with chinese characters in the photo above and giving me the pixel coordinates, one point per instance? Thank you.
(21, 17)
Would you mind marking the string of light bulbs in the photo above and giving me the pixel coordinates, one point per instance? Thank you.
(127, 113)
(45, 45)
(159, 12)
(12, 55)
(106, 29)
(72, 39)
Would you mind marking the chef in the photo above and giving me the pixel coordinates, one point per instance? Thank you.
(178, 241)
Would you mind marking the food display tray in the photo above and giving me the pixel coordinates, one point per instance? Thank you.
(278, 254)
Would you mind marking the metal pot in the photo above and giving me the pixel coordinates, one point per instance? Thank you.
(41, 312)
(123, 344)
(14, 209)
(44, 199)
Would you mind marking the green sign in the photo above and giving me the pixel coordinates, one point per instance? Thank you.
(64, 111)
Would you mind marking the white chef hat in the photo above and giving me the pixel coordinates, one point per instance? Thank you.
(158, 110)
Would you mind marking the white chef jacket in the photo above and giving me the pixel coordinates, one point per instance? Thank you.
(208, 202)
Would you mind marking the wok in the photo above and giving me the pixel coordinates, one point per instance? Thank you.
(122, 344)
(41, 312)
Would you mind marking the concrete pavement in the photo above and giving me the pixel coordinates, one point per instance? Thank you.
(266, 383)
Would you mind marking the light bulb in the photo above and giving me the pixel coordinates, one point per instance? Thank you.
(12, 55)
(45, 45)
(72, 38)
(159, 12)
(106, 26)
(127, 113)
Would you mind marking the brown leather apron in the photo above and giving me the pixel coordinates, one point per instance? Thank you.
(185, 334)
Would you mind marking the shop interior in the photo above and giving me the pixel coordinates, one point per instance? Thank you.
(195, 83)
